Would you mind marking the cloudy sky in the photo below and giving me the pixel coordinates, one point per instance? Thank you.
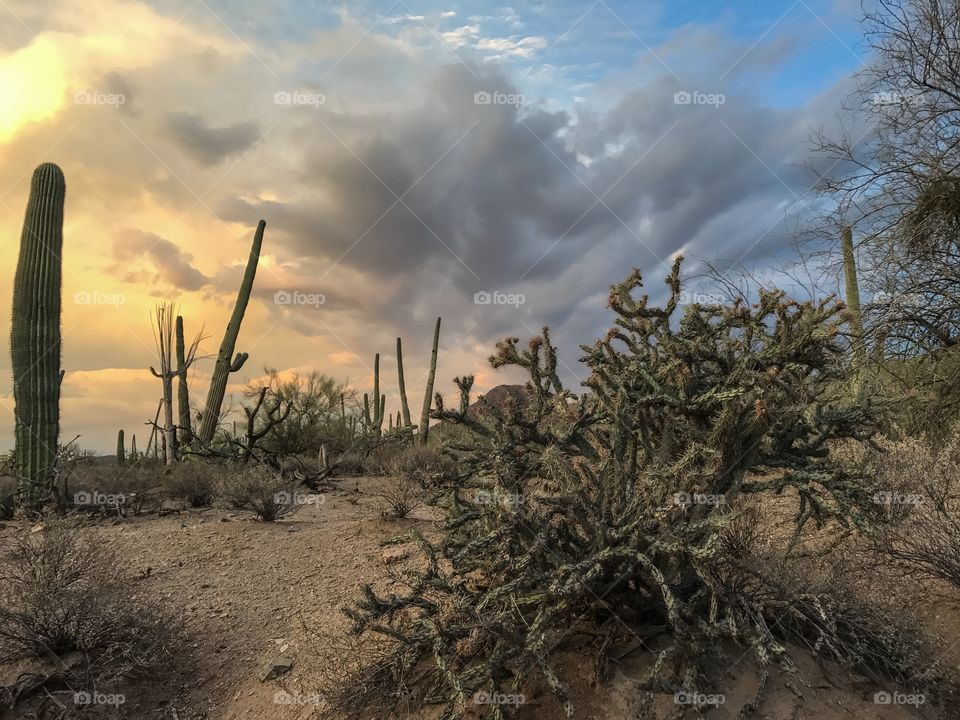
(406, 156)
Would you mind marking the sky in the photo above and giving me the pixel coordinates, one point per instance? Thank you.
(499, 166)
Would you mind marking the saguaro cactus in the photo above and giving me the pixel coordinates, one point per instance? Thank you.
(35, 336)
(184, 426)
(852, 288)
(121, 448)
(428, 393)
(225, 365)
(377, 404)
(405, 408)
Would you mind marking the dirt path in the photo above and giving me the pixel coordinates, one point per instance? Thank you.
(247, 591)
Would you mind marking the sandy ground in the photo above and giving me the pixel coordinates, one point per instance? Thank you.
(246, 591)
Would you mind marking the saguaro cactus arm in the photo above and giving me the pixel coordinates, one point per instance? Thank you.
(35, 336)
(428, 392)
(224, 365)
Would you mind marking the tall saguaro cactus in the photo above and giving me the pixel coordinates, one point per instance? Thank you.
(403, 388)
(852, 288)
(184, 426)
(121, 448)
(377, 404)
(428, 393)
(226, 362)
(35, 337)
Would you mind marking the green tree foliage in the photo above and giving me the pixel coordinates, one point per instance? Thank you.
(315, 415)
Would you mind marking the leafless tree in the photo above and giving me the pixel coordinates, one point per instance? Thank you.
(896, 179)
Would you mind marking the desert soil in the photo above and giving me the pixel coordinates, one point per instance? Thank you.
(246, 592)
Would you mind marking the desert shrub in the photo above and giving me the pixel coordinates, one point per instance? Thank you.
(350, 462)
(621, 494)
(60, 595)
(192, 482)
(369, 455)
(314, 413)
(817, 603)
(117, 489)
(8, 493)
(397, 499)
(425, 466)
(261, 491)
(920, 493)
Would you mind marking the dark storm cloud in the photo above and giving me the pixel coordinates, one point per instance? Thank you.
(172, 265)
(210, 145)
(496, 197)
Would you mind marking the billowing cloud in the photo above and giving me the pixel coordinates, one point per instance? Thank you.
(426, 183)
(171, 264)
(210, 145)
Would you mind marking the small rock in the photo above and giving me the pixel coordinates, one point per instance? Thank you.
(37, 528)
(280, 665)
(224, 519)
(391, 555)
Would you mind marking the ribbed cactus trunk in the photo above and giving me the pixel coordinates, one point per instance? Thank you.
(35, 337)
(404, 407)
(428, 393)
(133, 446)
(853, 302)
(377, 405)
(225, 365)
(184, 426)
(121, 449)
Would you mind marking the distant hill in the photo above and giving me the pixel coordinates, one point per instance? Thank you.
(499, 397)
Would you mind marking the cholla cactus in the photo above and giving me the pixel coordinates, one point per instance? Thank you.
(623, 493)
